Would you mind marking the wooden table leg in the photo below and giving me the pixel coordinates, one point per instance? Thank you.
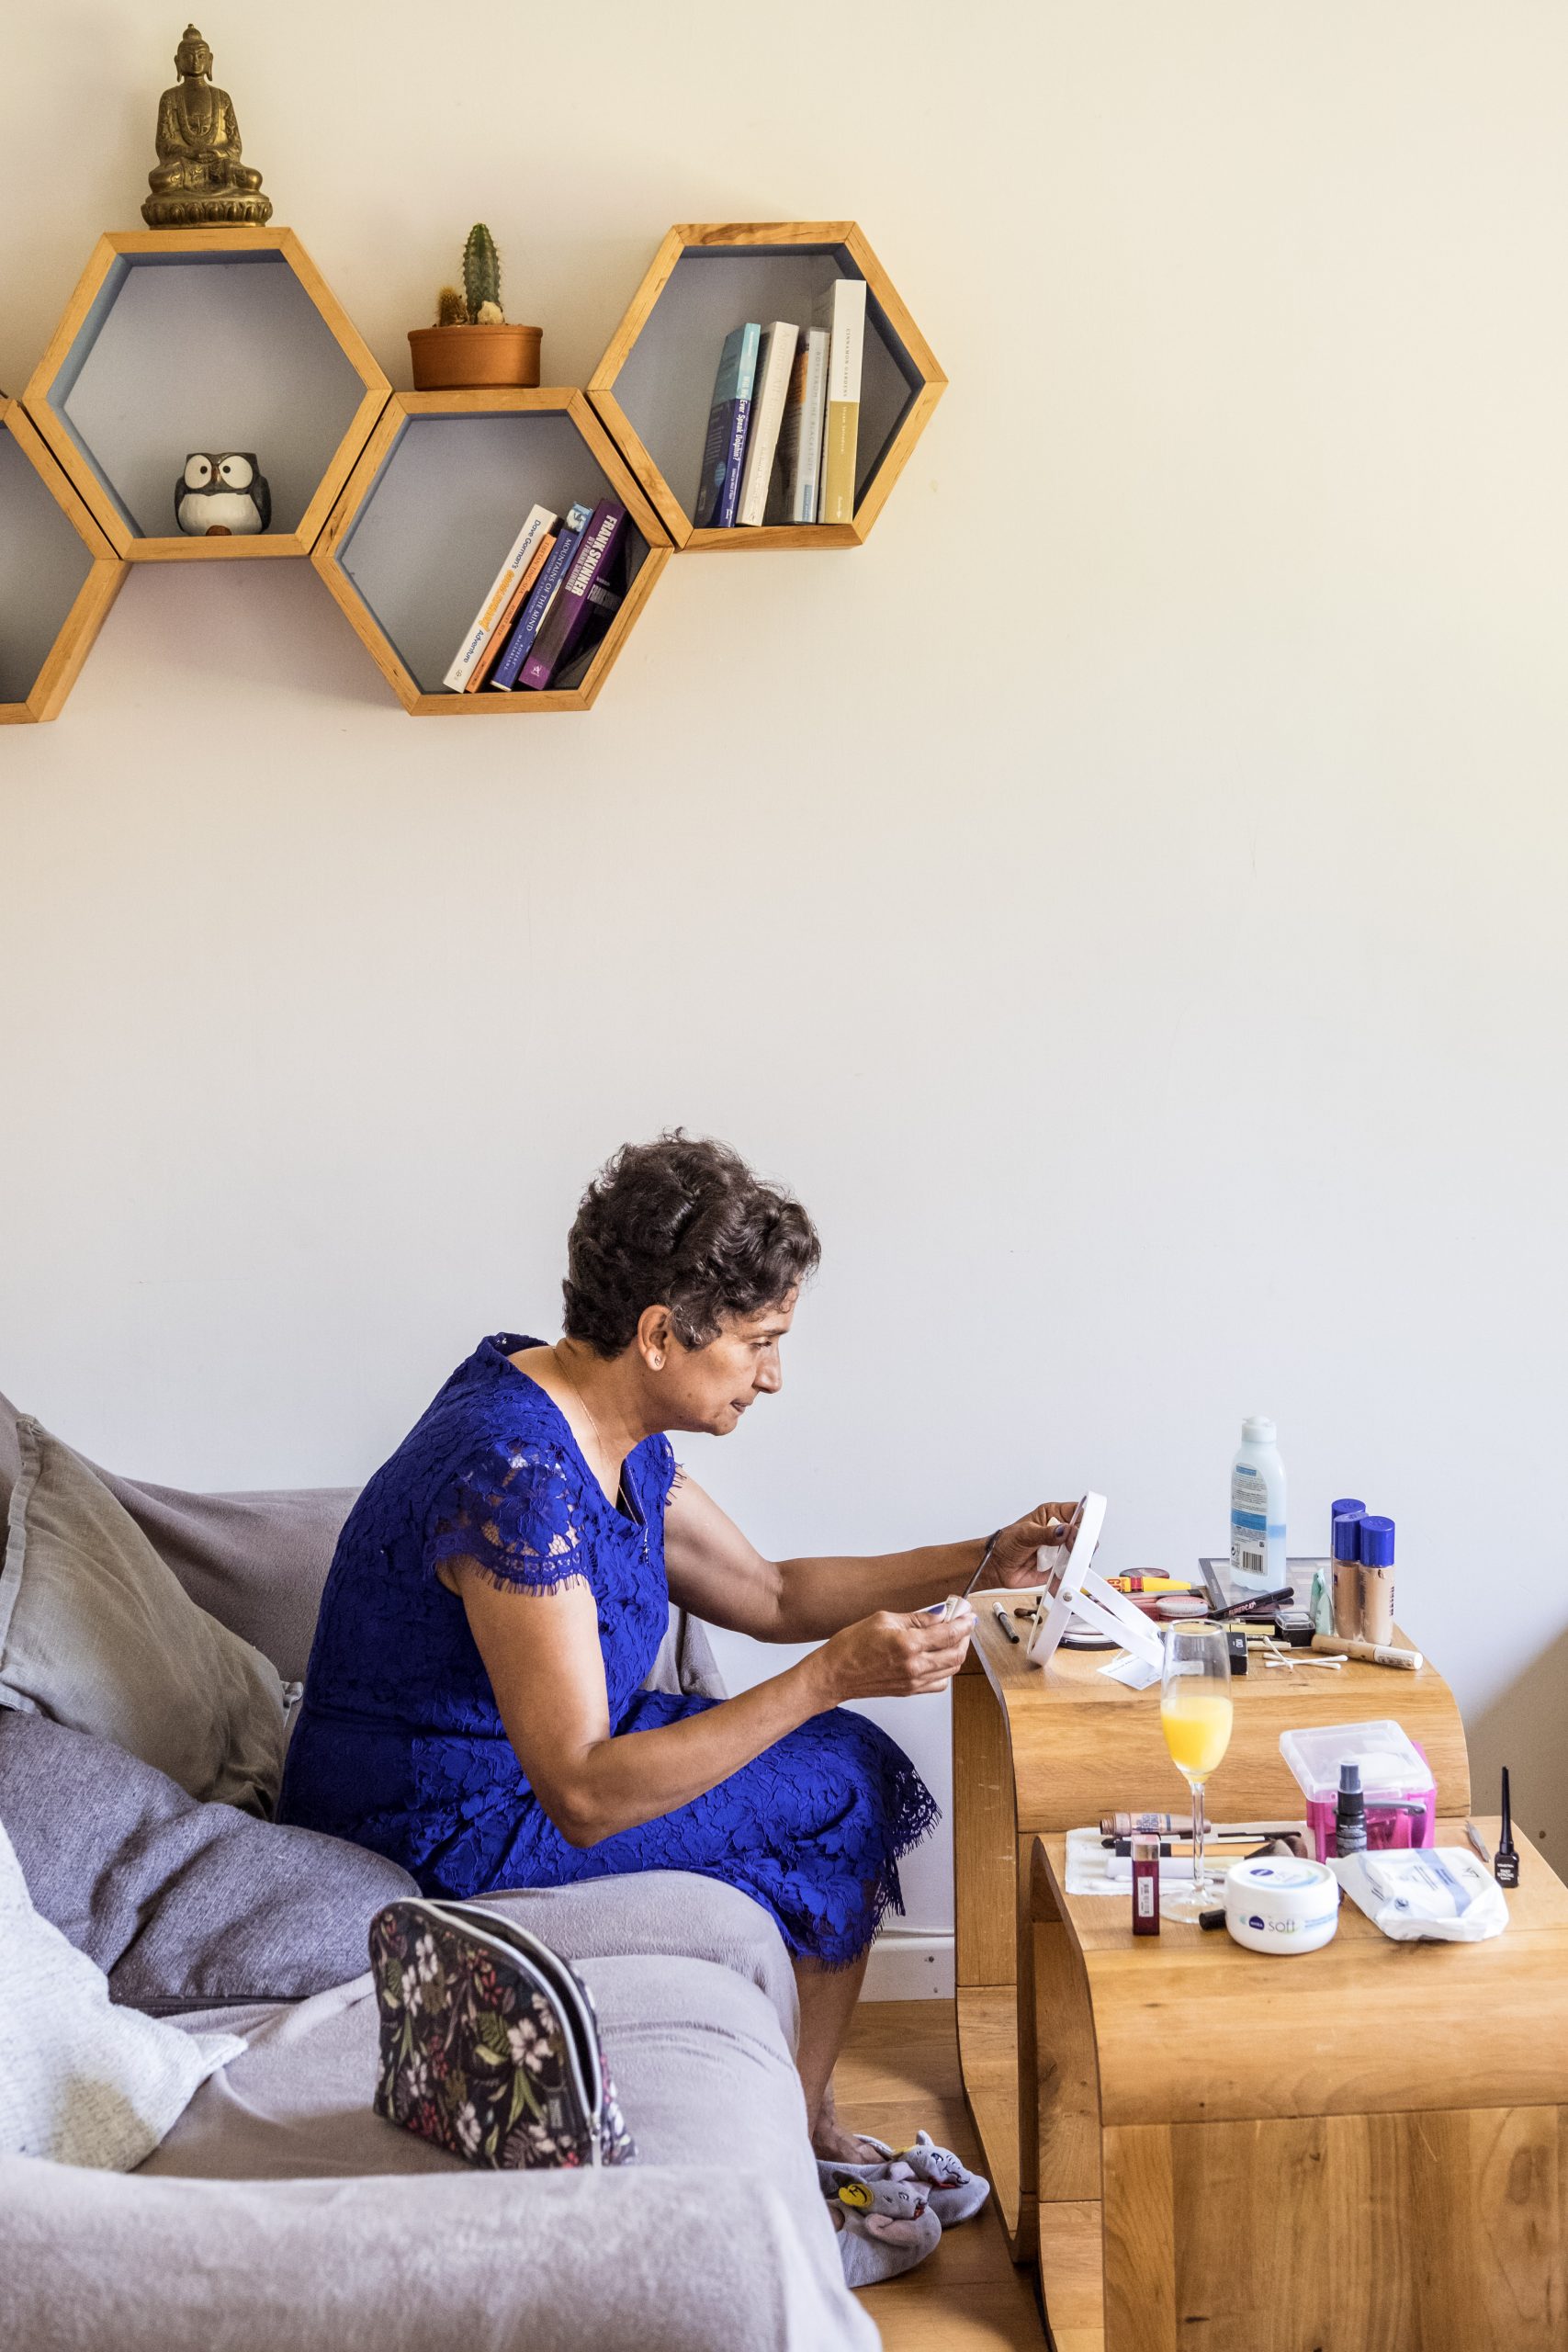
(1068, 2215)
(988, 1910)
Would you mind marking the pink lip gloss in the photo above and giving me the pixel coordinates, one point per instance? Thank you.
(1146, 1887)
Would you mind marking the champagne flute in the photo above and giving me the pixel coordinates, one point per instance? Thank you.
(1195, 1714)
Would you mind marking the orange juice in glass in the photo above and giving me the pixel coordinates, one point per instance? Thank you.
(1195, 1714)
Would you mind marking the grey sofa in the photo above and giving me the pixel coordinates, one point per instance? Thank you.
(281, 2214)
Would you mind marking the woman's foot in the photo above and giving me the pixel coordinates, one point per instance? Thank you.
(831, 2145)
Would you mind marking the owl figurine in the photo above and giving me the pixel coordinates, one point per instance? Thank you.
(218, 497)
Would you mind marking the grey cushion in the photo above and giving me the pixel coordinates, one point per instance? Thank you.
(256, 1562)
(181, 1905)
(97, 1632)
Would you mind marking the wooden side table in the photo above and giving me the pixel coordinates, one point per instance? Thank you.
(1361, 2149)
(1037, 1751)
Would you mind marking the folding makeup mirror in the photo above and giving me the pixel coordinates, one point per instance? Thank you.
(1073, 1594)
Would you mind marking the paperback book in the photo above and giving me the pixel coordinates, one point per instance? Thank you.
(478, 635)
(486, 663)
(840, 309)
(718, 491)
(775, 359)
(800, 434)
(570, 608)
(529, 621)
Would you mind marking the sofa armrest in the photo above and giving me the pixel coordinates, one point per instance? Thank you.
(688, 2259)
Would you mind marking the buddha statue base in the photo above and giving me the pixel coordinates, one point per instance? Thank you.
(190, 207)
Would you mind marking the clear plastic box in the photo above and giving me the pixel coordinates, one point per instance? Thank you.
(1396, 1780)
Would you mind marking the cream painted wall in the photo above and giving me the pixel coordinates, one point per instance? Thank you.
(1125, 899)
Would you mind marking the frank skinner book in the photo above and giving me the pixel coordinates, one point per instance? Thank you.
(568, 616)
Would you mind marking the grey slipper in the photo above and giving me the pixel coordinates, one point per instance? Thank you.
(874, 2246)
(956, 2193)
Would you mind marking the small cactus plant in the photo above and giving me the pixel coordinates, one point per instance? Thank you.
(481, 277)
(451, 310)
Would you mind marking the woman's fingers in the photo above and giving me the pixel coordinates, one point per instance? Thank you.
(1053, 1525)
(889, 1655)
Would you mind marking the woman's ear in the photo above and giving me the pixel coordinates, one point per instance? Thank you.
(654, 1335)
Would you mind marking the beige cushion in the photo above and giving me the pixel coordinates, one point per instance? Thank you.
(97, 1633)
(81, 2082)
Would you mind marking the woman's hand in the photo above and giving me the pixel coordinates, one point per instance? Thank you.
(1013, 1561)
(894, 1656)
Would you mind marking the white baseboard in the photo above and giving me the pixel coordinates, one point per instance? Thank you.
(905, 1964)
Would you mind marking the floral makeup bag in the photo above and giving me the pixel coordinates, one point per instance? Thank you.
(489, 2043)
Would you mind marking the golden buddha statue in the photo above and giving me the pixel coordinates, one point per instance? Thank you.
(199, 177)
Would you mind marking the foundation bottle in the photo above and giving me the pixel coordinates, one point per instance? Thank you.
(1375, 1547)
(1348, 1575)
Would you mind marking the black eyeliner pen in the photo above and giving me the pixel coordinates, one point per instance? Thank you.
(1506, 1869)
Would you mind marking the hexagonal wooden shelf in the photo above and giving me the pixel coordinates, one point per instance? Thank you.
(427, 516)
(654, 386)
(212, 339)
(58, 575)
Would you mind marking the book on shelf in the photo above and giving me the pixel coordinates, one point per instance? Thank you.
(606, 598)
(724, 452)
(477, 634)
(775, 358)
(570, 608)
(479, 676)
(841, 308)
(526, 627)
(797, 478)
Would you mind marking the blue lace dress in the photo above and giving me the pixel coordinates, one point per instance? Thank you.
(400, 1745)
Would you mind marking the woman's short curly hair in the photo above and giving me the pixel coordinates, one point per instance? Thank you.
(682, 1223)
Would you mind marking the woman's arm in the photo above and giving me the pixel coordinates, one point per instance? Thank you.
(719, 1576)
(541, 1652)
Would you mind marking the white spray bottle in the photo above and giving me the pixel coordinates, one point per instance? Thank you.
(1257, 1508)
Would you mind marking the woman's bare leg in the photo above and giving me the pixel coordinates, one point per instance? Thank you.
(827, 1998)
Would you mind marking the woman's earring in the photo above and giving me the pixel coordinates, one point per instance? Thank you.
(657, 1361)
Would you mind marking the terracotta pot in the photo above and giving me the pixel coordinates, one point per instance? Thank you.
(446, 359)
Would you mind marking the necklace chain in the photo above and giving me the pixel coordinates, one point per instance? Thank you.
(598, 1432)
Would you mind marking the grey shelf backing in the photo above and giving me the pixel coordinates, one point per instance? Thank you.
(43, 563)
(214, 352)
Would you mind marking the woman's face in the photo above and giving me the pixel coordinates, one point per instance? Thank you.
(709, 1389)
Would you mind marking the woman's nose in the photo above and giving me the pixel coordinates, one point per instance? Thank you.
(770, 1376)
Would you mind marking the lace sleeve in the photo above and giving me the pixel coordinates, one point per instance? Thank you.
(513, 1514)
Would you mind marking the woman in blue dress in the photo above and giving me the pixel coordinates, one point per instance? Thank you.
(473, 1705)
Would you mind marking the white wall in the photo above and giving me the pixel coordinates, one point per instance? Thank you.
(1125, 899)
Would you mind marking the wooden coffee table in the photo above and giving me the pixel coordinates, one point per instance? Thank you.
(1361, 2149)
(1037, 1752)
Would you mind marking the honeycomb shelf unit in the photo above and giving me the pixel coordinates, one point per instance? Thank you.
(212, 339)
(58, 575)
(426, 518)
(654, 386)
